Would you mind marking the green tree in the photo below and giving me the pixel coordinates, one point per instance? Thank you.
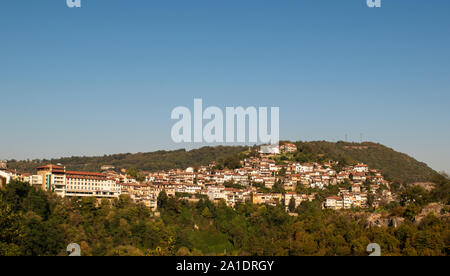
(206, 213)
(292, 204)
(412, 211)
(162, 200)
(11, 231)
(132, 171)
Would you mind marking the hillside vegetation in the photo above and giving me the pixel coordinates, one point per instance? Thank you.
(151, 161)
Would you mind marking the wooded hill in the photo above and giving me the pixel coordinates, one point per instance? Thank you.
(150, 161)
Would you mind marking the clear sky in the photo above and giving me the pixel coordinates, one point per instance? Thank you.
(104, 78)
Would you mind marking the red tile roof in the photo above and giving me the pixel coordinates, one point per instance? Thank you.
(335, 197)
(85, 173)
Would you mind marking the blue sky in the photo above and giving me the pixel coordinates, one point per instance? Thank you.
(104, 78)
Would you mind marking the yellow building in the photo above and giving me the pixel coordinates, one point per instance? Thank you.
(53, 178)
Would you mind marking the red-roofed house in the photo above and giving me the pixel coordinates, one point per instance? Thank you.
(288, 147)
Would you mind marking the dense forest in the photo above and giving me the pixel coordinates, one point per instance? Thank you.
(395, 166)
(33, 222)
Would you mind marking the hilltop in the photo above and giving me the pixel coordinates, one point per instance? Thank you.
(394, 165)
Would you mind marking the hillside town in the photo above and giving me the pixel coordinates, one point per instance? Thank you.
(259, 179)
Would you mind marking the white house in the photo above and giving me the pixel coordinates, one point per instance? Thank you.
(4, 177)
(361, 168)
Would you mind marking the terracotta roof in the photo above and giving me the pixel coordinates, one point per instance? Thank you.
(335, 197)
(85, 173)
(290, 145)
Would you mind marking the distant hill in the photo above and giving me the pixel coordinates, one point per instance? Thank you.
(395, 166)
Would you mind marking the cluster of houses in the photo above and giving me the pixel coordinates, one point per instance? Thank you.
(347, 199)
(254, 181)
(356, 196)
